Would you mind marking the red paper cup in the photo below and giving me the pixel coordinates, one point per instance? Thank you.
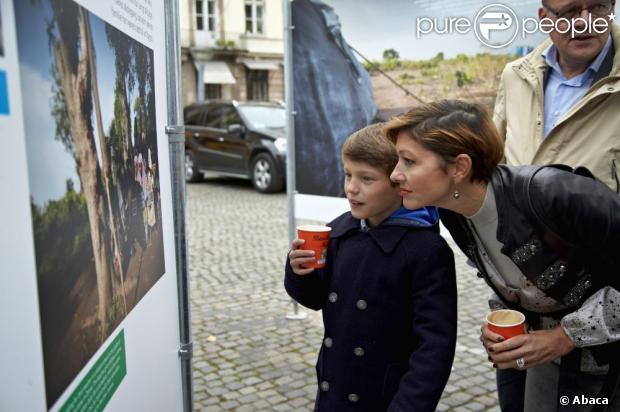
(506, 322)
(317, 238)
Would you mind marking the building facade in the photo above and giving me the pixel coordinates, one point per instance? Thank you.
(232, 49)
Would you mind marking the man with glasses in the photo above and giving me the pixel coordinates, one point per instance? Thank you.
(561, 104)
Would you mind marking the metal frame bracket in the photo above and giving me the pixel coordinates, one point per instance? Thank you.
(176, 133)
(186, 351)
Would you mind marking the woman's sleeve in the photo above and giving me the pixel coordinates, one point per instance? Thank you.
(587, 214)
(434, 326)
(597, 321)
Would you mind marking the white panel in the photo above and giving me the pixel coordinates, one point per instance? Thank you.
(21, 371)
(153, 379)
(319, 208)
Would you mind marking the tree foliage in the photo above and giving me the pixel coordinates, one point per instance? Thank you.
(389, 54)
(62, 235)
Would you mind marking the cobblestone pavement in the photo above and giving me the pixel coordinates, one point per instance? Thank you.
(248, 356)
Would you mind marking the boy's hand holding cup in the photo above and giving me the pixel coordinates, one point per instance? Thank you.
(309, 250)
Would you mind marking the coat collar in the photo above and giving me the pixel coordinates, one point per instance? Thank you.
(386, 237)
(535, 61)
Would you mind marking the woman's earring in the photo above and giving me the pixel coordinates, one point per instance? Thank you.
(456, 194)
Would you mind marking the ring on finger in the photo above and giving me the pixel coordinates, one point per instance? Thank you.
(521, 363)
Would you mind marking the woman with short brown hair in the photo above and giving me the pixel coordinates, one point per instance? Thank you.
(544, 238)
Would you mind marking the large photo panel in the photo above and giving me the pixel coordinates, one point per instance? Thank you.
(91, 140)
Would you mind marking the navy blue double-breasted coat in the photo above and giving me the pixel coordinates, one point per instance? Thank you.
(388, 296)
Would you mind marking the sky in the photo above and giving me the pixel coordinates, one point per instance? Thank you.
(372, 26)
(49, 163)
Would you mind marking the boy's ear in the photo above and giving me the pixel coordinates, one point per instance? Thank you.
(461, 168)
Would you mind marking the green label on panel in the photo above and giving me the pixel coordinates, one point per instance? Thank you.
(101, 381)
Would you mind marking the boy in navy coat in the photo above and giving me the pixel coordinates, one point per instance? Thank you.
(387, 292)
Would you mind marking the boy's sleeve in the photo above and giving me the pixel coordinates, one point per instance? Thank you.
(434, 325)
(309, 290)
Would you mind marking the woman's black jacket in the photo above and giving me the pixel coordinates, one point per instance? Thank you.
(562, 229)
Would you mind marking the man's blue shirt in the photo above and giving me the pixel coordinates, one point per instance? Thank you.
(562, 94)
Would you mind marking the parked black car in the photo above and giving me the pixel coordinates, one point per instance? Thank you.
(242, 139)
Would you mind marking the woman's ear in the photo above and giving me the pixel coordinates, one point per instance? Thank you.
(460, 170)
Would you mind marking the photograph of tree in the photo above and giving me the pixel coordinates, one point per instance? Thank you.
(89, 115)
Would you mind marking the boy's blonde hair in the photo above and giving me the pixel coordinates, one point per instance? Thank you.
(370, 145)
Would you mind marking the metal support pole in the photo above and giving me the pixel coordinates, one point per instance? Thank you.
(290, 135)
(200, 83)
(176, 144)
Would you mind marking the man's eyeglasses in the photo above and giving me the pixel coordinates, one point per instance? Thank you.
(598, 10)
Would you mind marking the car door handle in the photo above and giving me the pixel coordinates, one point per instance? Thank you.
(220, 139)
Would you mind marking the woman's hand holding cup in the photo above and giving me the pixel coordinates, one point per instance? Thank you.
(501, 325)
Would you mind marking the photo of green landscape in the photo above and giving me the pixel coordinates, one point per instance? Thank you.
(94, 178)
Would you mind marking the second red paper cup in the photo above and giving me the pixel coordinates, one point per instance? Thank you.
(506, 322)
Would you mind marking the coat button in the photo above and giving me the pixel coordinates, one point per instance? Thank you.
(353, 397)
(359, 352)
(328, 342)
(324, 386)
(361, 304)
(333, 297)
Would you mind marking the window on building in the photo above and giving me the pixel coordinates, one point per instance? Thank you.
(257, 84)
(254, 10)
(213, 91)
(200, 15)
(206, 15)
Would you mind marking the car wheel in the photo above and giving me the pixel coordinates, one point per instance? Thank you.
(265, 177)
(192, 174)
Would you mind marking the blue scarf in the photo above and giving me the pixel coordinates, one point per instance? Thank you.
(424, 217)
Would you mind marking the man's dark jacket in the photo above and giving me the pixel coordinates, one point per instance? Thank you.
(388, 297)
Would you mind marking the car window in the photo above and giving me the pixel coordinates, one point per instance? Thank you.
(264, 117)
(230, 116)
(194, 117)
(206, 116)
(214, 117)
